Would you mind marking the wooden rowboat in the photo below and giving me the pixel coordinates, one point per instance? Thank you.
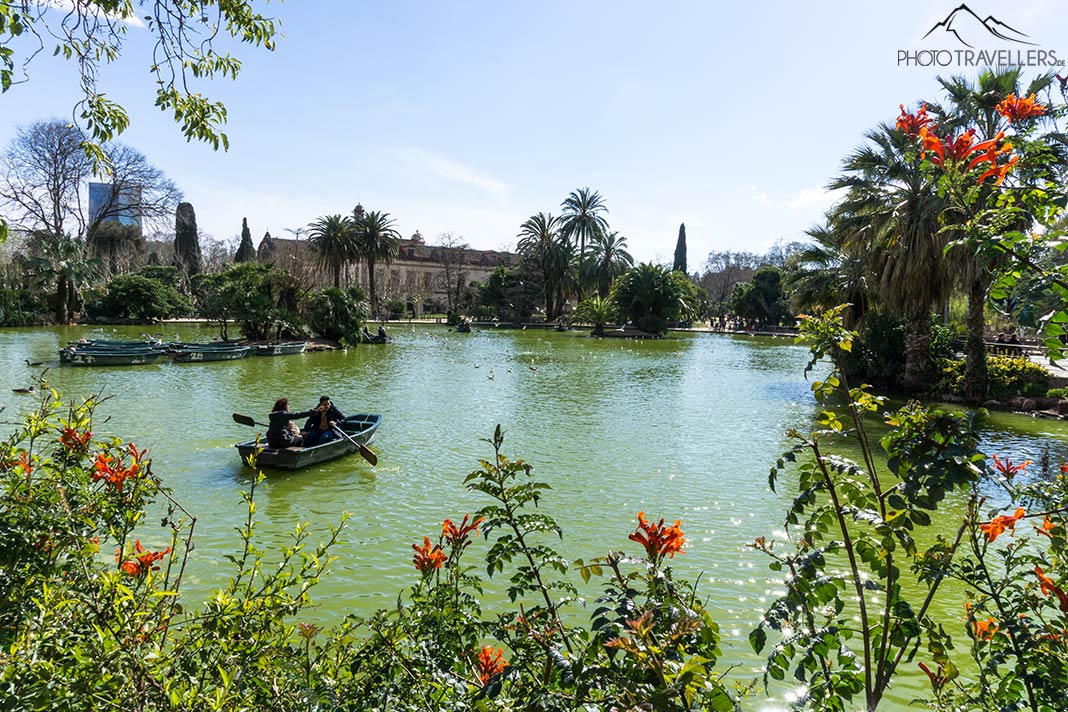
(187, 355)
(88, 357)
(291, 347)
(361, 428)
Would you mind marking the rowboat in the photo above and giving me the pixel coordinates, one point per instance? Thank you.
(110, 344)
(361, 428)
(114, 357)
(290, 347)
(104, 352)
(210, 353)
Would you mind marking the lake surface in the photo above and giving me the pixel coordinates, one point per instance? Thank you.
(682, 428)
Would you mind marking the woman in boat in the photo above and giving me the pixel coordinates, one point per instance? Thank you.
(382, 335)
(282, 432)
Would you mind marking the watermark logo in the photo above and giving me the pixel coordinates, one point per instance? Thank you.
(987, 42)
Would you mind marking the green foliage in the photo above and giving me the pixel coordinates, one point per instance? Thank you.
(845, 622)
(264, 299)
(166, 274)
(186, 241)
(650, 296)
(1057, 393)
(679, 265)
(1008, 376)
(762, 300)
(396, 308)
(512, 293)
(879, 357)
(83, 629)
(596, 310)
(93, 34)
(338, 314)
(246, 251)
(135, 296)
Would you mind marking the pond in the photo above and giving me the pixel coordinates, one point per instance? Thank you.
(682, 428)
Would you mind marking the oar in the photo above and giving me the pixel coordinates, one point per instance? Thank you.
(365, 452)
(245, 420)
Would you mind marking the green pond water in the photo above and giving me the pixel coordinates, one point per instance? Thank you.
(682, 428)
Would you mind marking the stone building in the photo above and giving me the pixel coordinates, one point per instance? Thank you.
(420, 276)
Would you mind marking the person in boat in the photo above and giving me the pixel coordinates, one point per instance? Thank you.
(367, 335)
(382, 335)
(319, 427)
(282, 432)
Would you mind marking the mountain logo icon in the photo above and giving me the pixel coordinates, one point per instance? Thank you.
(963, 22)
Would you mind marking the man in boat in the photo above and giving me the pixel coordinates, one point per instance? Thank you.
(319, 427)
(382, 336)
(282, 432)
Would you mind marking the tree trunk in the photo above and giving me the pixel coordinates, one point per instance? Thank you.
(917, 353)
(61, 299)
(976, 382)
(337, 275)
(371, 286)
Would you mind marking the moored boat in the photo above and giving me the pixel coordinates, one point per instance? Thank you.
(290, 347)
(111, 344)
(109, 357)
(190, 353)
(361, 428)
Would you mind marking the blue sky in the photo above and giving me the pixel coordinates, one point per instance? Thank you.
(468, 117)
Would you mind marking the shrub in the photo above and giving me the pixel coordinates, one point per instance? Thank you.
(134, 296)
(1057, 393)
(264, 299)
(1009, 376)
(338, 314)
(396, 308)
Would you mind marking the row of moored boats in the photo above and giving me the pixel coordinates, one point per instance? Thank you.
(105, 352)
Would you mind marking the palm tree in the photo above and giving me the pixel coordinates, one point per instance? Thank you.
(829, 271)
(376, 241)
(607, 260)
(548, 251)
(582, 217)
(891, 210)
(62, 265)
(596, 310)
(974, 105)
(331, 237)
(650, 296)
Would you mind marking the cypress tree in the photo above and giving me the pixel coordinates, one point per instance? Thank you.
(186, 245)
(680, 250)
(245, 251)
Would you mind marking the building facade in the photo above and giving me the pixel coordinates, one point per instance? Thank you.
(121, 203)
(425, 277)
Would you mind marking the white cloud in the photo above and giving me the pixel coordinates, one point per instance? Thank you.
(816, 198)
(454, 171)
(67, 6)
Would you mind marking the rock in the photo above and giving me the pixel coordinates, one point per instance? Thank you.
(992, 403)
(1061, 407)
(1027, 404)
(950, 398)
